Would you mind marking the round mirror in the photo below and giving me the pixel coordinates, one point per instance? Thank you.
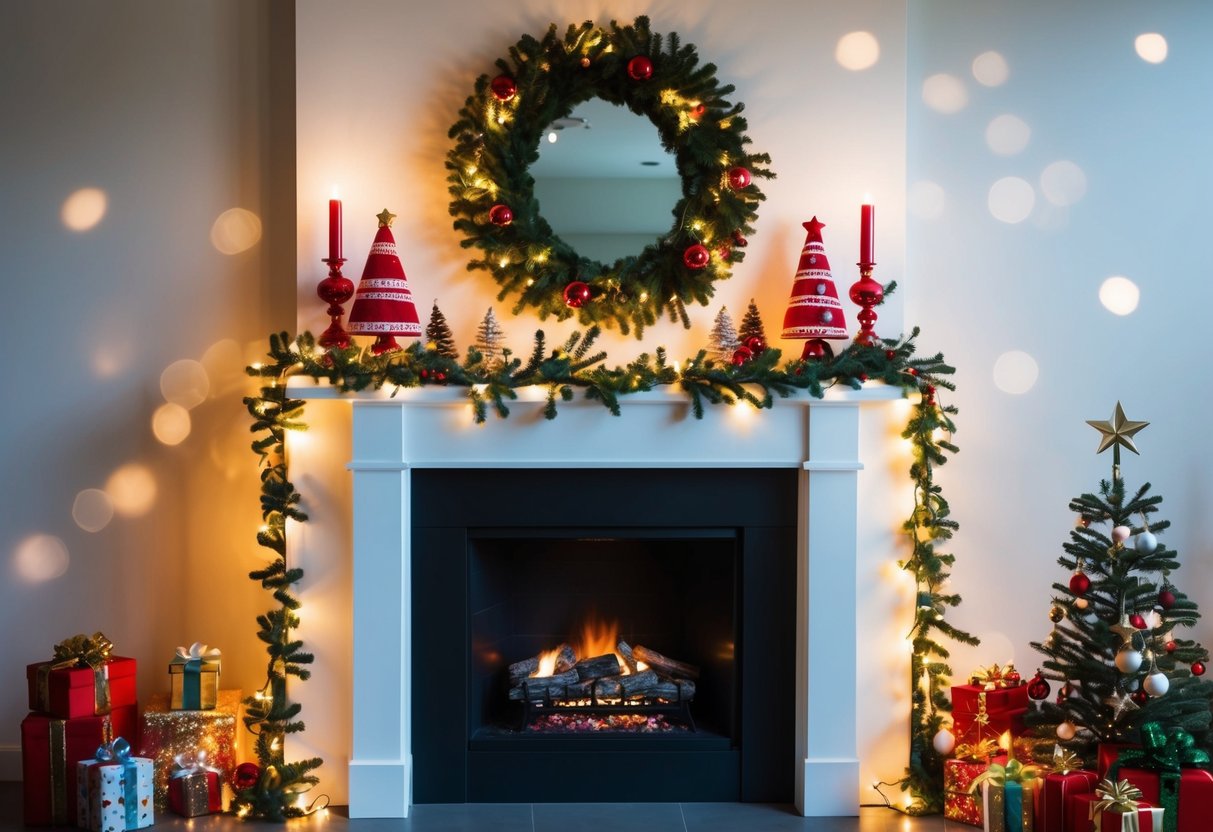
(553, 87)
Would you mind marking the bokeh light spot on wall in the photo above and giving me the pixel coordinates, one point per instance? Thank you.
(1063, 183)
(84, 208)
(1015, 372)
(945, 93)
(1007, 135)
(171, 423)
(1119, 295)
(990, 69)
(857, 51)
(1011, 199)
(926, 200)
(185, 383)
(235, 230)
(1151, 47)
(40, 557)
(92, 510)
(224, 365)
(132, 489)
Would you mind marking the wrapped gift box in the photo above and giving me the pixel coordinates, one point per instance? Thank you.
(191, 794)
(114, 792)
(1195, 796)
(1083, 817)
(166, 733)
(194, 678)
(1055, 790)
(1107, 754)
(71, 692)
(1004, 709)
(1008, 808)
(50, 749)
(959, 803)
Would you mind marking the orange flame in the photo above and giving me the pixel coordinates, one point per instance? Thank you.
(598, 638)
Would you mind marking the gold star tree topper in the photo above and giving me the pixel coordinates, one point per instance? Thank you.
(385, 218)
(1117, 431)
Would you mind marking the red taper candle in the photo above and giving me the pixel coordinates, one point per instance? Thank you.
(334, 229)
(867, 234)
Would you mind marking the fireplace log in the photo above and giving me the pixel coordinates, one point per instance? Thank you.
(638, 683)
(597, 667)
(624, 649)
(663, 664)
(537, 687)
(565, 659)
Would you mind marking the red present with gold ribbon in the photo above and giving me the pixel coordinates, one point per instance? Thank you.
(82, 679)
(1113, 807)
(1064, 780)
(978, 713)
(50, 749)
(958, 775)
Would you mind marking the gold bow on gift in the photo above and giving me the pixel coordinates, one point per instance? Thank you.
(82, 651)
(1064, 760)
(1117, 796)
(979, 751)
(1012, 772)
(993, 677)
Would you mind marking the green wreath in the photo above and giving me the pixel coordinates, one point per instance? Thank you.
(497, 138)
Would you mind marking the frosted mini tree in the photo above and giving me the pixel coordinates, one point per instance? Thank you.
(723, 341)
(489, 338)
(1113, 648)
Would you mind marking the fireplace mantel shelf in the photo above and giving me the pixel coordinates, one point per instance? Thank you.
(433, 427)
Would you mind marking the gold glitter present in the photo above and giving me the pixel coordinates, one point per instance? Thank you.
(167, 733)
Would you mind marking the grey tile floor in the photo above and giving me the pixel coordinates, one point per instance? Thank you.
(553, 817)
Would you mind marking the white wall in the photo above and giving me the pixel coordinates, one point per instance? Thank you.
(982, 287)
(171, 112)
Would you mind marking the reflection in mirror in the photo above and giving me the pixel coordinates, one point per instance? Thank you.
(606, 187)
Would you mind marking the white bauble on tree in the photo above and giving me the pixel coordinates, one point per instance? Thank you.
(1157, 683)
(1146, 543)
(1128, 660)
(1120, 534)
(944, 742)
(1066, 730)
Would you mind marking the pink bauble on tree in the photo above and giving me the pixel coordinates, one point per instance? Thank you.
(504, 87)
(696, 256)
(640, 68)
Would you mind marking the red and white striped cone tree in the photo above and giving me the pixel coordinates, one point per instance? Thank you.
(814, 312)
(383, 304)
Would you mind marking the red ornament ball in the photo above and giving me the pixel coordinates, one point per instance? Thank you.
(755, 344)
(1166, 599)
(912, 371)
(1085, 522)
(576, 294)
(424, 374)
(1079, 583)
(696, 256)
(504, 87)
(862, 377)
(697, 111)
(739, 240)
(741, 355)
(501, 215)
(1038, 687)
(1138, 621)
(246, 776)
(739, 178)
(1139, 697)
(640, 68)
(1011, 677)
(1198, 668)
(1171, 645)
(890, 354)
(585, 63)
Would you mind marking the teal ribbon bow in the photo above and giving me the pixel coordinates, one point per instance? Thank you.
(119, 751)
(1167, 753)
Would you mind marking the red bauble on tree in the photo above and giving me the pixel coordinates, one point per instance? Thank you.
(1198, 668)
(1079, 583)
(640, 68)
(501, 215)
(1166, 598)
(576, 294)
(504, 87)
(739, 240)
(696, 256)
(1038, 687)
(1171, 646)
(739, 178)
(246, 776)
(1138, 621)
(1139, 697)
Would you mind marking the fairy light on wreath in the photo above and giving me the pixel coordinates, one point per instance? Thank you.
(497, 139)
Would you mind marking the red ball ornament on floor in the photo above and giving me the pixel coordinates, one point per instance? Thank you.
(741, 355)
(1198, 668)
(739, 178)
(501, 215)
(640, 68)
(1038, 687)
(1166, 599)
(1079, 583)
(1138, 621)
(696, 256)
(246, 776)
(576, 294)
(504, 87)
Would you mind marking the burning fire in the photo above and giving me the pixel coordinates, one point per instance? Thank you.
(598, 638)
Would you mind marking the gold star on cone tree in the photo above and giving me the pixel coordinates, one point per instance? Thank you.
(1115, 433)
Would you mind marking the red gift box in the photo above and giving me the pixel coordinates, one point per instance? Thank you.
(1195, 795)
(1005, 708)
(1108, 753)
(71, 692)
(181, 794)
(1053, 799)
(1081, 817)
(50, 749)
(958, 777)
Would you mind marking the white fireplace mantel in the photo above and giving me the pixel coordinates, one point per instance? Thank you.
(433, 428)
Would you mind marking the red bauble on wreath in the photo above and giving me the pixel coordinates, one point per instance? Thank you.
(741, 355)
(576, 294)
(1079, 583)
(246, 776)
(739, 178)
(504, 87)
(640, 68)
(501, 215)
(1038, 687)
(755, 344)
(696, 256)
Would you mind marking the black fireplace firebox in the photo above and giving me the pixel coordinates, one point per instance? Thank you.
(697, 564)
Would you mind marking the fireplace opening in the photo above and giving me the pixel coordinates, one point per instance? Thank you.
(662, 605)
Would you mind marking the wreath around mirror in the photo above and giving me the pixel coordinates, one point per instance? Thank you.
(497, 139)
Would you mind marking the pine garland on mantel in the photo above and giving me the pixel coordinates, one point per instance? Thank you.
(576, 365)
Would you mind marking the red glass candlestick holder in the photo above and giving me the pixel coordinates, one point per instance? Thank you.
(866, 293)
(335, 290)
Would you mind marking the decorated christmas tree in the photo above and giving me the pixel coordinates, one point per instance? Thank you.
(1114, 652)
(489, 338)
(438, 334)
(751, 325)
(723, 341)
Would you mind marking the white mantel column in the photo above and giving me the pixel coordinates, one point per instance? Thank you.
(828, 779)
(381, 763)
